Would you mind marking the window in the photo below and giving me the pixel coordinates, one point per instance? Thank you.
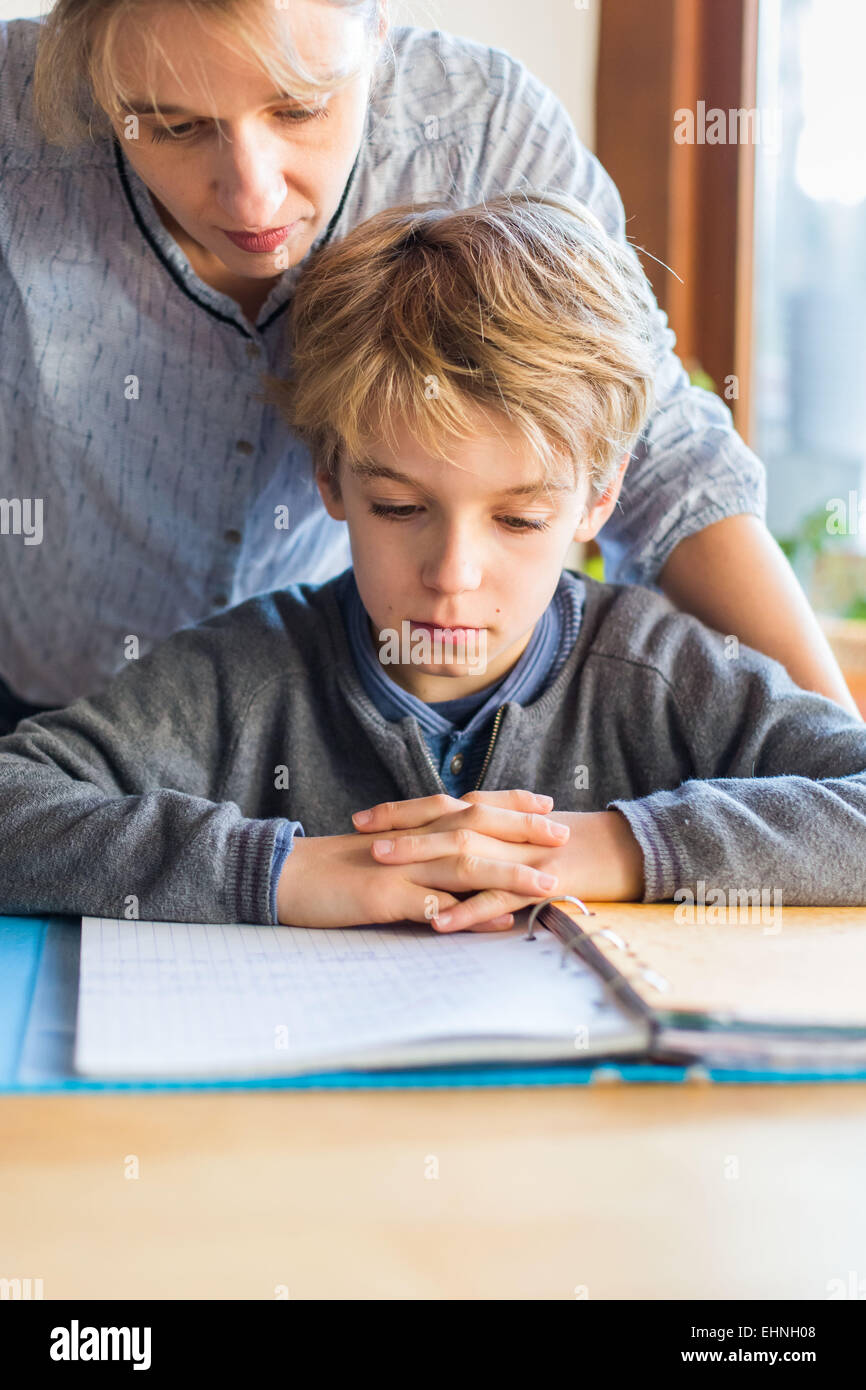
(809, 384)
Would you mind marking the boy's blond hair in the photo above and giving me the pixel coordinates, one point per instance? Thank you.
(77, 82)
(522, 305)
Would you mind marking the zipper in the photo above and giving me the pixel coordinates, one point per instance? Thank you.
(433, 766)
(497, 721)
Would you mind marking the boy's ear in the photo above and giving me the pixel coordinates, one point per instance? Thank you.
(329, 491)
(598, 512)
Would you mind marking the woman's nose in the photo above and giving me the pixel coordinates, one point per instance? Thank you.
(251, 186)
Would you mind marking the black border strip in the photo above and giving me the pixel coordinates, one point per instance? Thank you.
(329, 230)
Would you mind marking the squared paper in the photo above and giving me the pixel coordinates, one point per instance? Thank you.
(170, 998)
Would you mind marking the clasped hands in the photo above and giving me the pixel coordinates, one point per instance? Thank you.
(459, 864)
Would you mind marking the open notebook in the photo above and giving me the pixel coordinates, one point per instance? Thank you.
(162, 999)
(767, 991)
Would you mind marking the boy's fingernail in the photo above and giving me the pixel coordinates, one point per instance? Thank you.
(560, 831)
(383, 846)
(362, 817)
(443, 919)
(545, 800)
(546, 880)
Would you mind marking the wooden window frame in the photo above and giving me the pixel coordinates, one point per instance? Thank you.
(690, 206)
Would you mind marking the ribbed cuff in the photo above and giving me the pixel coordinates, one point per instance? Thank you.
(248, 870)
(661, 878)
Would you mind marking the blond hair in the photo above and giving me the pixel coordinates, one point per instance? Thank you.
(77, 84)
(522, 305)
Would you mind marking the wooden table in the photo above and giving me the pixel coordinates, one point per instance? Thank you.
(691, 1191)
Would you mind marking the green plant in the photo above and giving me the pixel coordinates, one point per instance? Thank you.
(810, 538)
(805, 547)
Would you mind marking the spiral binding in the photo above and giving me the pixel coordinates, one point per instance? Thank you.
(530, 933)
(650, 976)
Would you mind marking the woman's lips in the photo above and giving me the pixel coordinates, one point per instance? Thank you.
(260, 241)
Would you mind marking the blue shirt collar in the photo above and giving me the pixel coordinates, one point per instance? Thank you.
(529, 676)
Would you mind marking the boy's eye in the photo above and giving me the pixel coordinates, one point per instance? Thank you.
(397, 512)
(525, 523)
(394, 512)
(186, 130)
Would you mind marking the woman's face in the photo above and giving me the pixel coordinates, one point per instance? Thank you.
(242, 160)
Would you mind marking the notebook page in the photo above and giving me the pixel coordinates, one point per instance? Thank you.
(795, 966)
(163, 998)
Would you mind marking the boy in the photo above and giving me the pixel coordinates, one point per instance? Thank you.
(470, 384)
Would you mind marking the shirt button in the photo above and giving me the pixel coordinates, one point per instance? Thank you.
(457, 763)
(220, 600)
(253, 350)
(244, 446)
(233, 537)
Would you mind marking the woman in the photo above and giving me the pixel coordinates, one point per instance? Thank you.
(166, 168)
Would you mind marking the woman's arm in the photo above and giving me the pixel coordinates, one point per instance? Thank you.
(733, 576)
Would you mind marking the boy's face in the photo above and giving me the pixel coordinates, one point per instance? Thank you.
(475, 546)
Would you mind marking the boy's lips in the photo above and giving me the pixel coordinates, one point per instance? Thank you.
(445, 627)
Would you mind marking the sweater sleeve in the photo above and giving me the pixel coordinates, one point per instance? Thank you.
(690, 468)
(283, 846)
(111, 807)
(778, 795)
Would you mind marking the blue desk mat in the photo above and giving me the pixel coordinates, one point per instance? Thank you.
(38, 998)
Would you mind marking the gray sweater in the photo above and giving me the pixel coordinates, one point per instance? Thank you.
(171, 785)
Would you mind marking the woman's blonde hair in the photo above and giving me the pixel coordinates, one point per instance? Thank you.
(522, 305)
(78, 87)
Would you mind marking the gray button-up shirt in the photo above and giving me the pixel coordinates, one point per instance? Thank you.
(142, 484)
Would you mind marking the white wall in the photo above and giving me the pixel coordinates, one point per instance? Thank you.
(557, 39)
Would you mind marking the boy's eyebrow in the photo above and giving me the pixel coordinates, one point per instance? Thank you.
(366, 469)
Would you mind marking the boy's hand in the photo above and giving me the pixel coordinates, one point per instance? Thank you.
(333, 881)
(600, 860)
(485, 825)
(397, 815)
(511, 816)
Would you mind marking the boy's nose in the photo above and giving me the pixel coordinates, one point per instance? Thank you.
(454, 567)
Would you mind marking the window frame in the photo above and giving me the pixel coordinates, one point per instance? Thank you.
(689, 206)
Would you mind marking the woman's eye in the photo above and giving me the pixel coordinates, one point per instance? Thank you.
(172, 132)
(396, 513)
(295, 115)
